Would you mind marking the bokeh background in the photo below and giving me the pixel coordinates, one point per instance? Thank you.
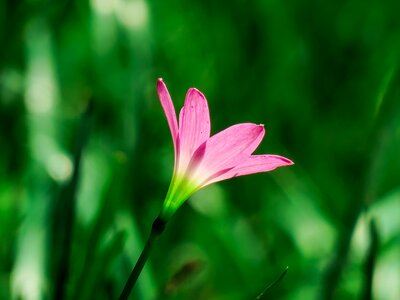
(86, 155)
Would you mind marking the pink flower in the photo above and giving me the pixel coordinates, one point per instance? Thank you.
(201, 160)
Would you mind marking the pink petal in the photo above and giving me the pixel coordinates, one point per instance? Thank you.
(253, 164)
(194, 125)
(169, 111)
(227, 149)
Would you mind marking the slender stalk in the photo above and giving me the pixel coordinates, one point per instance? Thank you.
(370, 261)
(64, 212)
(260, 296)
(156, 230)
(138, 267)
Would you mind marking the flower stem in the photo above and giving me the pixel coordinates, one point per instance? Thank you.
(156, 230)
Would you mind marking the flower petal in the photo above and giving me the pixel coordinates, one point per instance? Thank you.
(253, 164)
(194, 125)
(227, 149)
(169, 111)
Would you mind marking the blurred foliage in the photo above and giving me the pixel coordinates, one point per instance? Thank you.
(78, 192)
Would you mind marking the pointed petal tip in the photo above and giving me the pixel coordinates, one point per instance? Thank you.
(261, 129)
(287, 161)
(160, 83)
(254, 125)
(283, 161)
(193, 95)
(194, 91)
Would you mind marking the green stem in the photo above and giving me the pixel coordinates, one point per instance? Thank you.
(156, 230)
(273, 284)
(370, 261)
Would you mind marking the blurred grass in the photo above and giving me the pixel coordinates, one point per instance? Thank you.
(322, 76)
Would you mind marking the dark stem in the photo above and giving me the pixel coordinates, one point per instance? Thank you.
(260, 296)
(333, 273)
(370, 260)
(64, 212)
(156, 230)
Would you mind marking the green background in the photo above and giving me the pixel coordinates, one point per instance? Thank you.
(78, 192)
